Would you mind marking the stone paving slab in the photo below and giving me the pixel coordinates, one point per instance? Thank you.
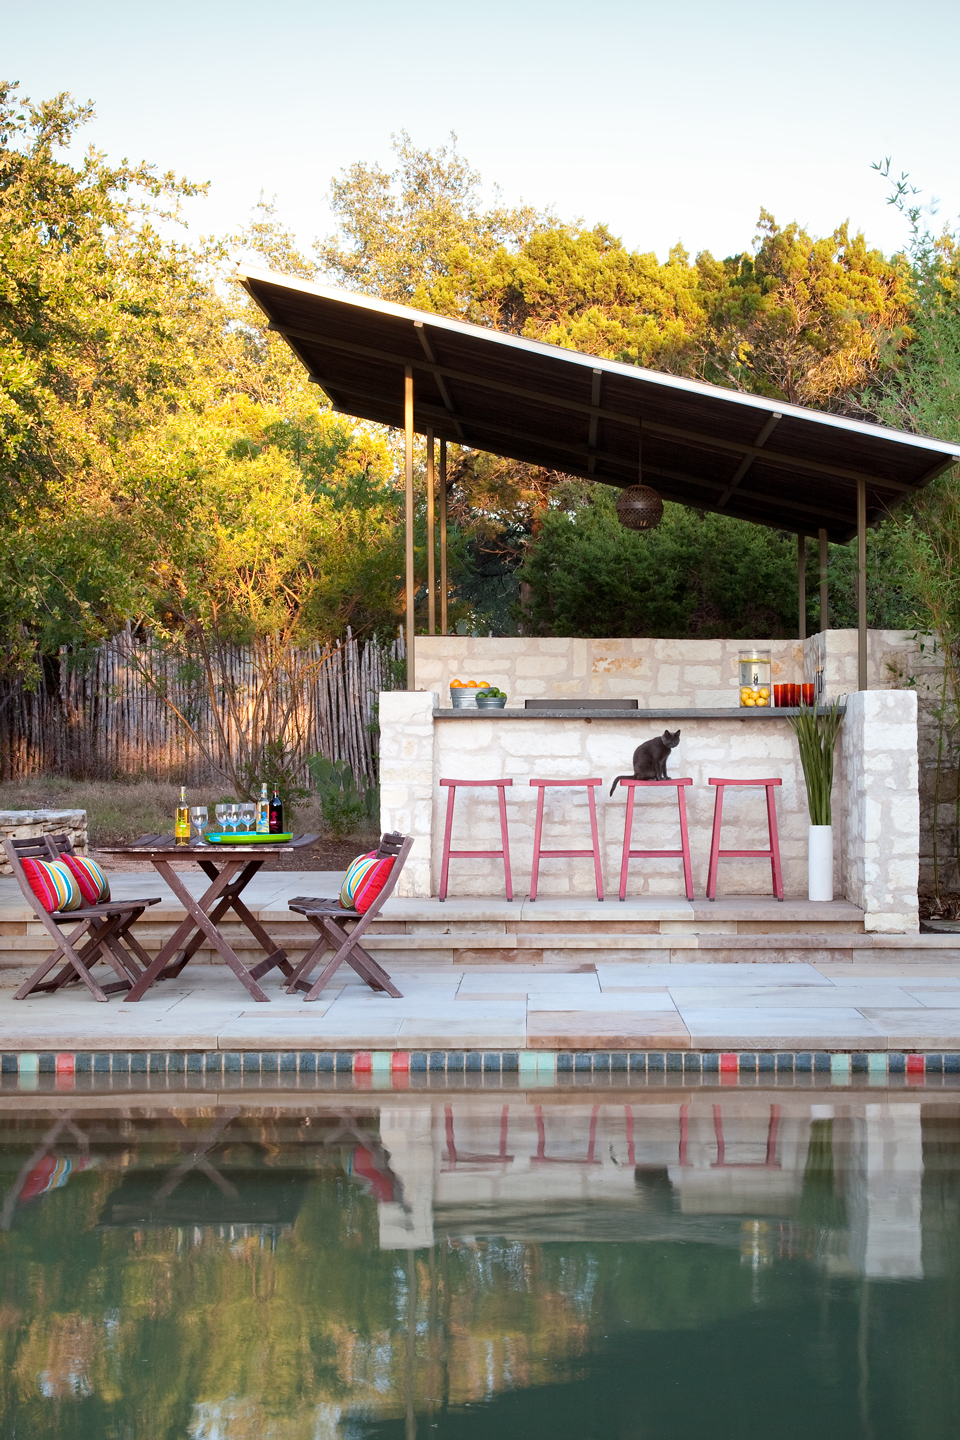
(608, 1007)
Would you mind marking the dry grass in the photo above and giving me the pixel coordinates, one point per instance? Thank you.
(120, 811)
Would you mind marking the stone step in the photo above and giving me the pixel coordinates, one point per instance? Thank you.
(481, 948)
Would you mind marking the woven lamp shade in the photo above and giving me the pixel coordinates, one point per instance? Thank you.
(639, 508)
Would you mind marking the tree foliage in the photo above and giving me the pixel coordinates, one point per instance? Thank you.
(166, 464)
(695, 575)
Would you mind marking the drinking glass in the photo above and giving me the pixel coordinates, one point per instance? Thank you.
(808, 691)
(224, 818)
(778, 696)
(198, 824)
(248, 818)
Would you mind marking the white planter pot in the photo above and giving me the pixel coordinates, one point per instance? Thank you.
(820, 862)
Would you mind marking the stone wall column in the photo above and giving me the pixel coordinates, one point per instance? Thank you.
(880, 808)
(406, 780)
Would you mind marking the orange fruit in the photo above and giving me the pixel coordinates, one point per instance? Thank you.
(472, 684)
(456, 684)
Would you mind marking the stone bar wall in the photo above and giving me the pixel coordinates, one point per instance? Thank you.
(28, 824)
(876, 801)
(657, 673)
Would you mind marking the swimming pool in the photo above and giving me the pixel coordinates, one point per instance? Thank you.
(626, 1264)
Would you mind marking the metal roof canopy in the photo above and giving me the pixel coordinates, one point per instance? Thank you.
(702, 445)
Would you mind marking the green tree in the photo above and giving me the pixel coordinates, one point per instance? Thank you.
(414, 233)
(264, 530)
(695, 575)
(810, 321)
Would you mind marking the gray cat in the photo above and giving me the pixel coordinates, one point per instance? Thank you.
(650, 758)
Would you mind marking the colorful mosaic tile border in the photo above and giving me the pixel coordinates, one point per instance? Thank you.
(399, 1068)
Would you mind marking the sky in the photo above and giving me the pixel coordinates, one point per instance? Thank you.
(668, 122)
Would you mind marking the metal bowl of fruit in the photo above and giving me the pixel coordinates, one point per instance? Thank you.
(463, 693)
(491, 698)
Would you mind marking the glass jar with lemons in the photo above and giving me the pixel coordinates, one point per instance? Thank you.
(755, 678)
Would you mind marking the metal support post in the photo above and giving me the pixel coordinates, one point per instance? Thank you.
(443, 537)
(802, 584)
(861, 584)
(824, 588)
(408, 520)
(431, 540)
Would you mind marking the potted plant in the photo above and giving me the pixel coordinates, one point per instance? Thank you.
(491, 698)
(816, 736)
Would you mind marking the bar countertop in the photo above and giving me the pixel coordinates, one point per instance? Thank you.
(644, 716)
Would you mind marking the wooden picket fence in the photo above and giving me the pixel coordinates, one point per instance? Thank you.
(96, 715)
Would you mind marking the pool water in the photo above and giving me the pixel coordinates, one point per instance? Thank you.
(358, 1267)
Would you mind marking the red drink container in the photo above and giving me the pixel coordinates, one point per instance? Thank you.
(808, 691)
(778, 697)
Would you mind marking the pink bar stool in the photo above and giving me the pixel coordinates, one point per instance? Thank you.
(566, 854)
(449, 854)
(683, 853)
(773, 854)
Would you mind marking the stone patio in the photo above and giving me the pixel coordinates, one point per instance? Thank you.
(638, 976)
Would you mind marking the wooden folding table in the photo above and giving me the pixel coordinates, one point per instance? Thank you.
(230, 869)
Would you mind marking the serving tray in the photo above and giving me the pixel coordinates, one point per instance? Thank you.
(248, 838)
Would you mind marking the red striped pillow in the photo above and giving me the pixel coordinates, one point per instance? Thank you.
(53, 884)
(94, 885)
(372, 883)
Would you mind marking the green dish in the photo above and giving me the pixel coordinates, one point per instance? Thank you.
(250, 839)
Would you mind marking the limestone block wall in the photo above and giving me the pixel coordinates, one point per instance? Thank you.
(28, 824)
(835, 653)
(657, 673)
(407, 781)
(877, 799)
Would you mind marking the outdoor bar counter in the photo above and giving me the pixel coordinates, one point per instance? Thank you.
(875, 795)
(644, 716)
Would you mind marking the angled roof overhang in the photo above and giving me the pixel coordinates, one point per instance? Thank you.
(703, 446)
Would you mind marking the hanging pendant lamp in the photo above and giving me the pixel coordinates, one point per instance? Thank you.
(639, 507)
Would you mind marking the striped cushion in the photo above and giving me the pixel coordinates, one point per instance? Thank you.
(364, 881)
(351, 881)
(53, 884)
(94, 885)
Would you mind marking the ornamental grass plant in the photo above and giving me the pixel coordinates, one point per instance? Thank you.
(816, 736)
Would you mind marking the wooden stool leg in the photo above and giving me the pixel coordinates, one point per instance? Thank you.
(447, 832)
(685, 841)
(715, 845)
(535, 873)
(505, 841)
(774, 842)
(596, 841)
(627, 838)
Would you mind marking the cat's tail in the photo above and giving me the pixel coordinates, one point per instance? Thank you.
(617, 781)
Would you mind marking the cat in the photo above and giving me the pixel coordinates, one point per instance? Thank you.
(650, 758)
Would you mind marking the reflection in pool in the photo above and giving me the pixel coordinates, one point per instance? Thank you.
(351, 1267)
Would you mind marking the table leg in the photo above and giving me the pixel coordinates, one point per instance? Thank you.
(230, 900)
(198, 912)
(217, 912)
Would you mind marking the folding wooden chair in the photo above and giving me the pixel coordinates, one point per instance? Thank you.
(327, 916)
(107, 929)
